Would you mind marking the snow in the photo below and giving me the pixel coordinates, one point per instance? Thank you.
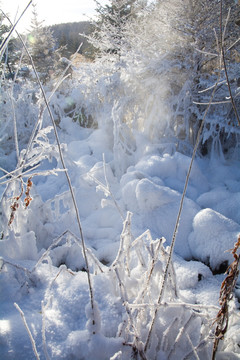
(155, 207)
(151, 190)
(20, 247)
(212, 232)
(128, 201)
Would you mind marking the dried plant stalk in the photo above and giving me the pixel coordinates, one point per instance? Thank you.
(226, 294)
(28, 331)
(28, 198)
(15, 205)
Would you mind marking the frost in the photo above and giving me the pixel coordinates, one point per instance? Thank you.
(127, 124)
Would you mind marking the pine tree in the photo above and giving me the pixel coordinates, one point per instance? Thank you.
(42, 47)
(110, 37)
(9, 56)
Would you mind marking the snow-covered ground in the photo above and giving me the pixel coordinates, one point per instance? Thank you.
(123, 217)
(132, 279)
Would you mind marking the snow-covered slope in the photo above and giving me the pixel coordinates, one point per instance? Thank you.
(122, 219)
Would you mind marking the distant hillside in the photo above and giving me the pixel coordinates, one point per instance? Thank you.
(68, 35)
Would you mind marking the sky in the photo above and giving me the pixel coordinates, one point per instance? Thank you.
(51, 11)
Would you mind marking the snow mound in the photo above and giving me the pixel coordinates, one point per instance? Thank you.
(213, 234)
(189, 273)
(172, 169)
(155, 207)
(223, 201)
(149, 196)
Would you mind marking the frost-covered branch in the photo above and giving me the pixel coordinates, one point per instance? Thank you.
(28, 331)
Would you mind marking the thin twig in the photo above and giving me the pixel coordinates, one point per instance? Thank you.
(235, 43)
(192, 346)
(222, 36)
(181, 332)
(15, 128)
(77, 241)
(175, 304)
(28, 331)
(212, 103)
(211, 87)
(5, 41)
(6, 262)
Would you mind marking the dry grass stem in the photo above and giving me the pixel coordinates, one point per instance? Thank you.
(226, 294)
(28, 331)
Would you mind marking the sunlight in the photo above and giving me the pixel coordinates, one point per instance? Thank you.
(31, 39)
(4, 327)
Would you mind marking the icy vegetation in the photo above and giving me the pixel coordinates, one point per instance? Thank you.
(95, 262)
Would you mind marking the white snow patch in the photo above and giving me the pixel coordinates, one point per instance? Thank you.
(212, 236)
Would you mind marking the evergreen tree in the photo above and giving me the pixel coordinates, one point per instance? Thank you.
(9, 56)
(42, 47)
(68, 36)
(110, 36)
